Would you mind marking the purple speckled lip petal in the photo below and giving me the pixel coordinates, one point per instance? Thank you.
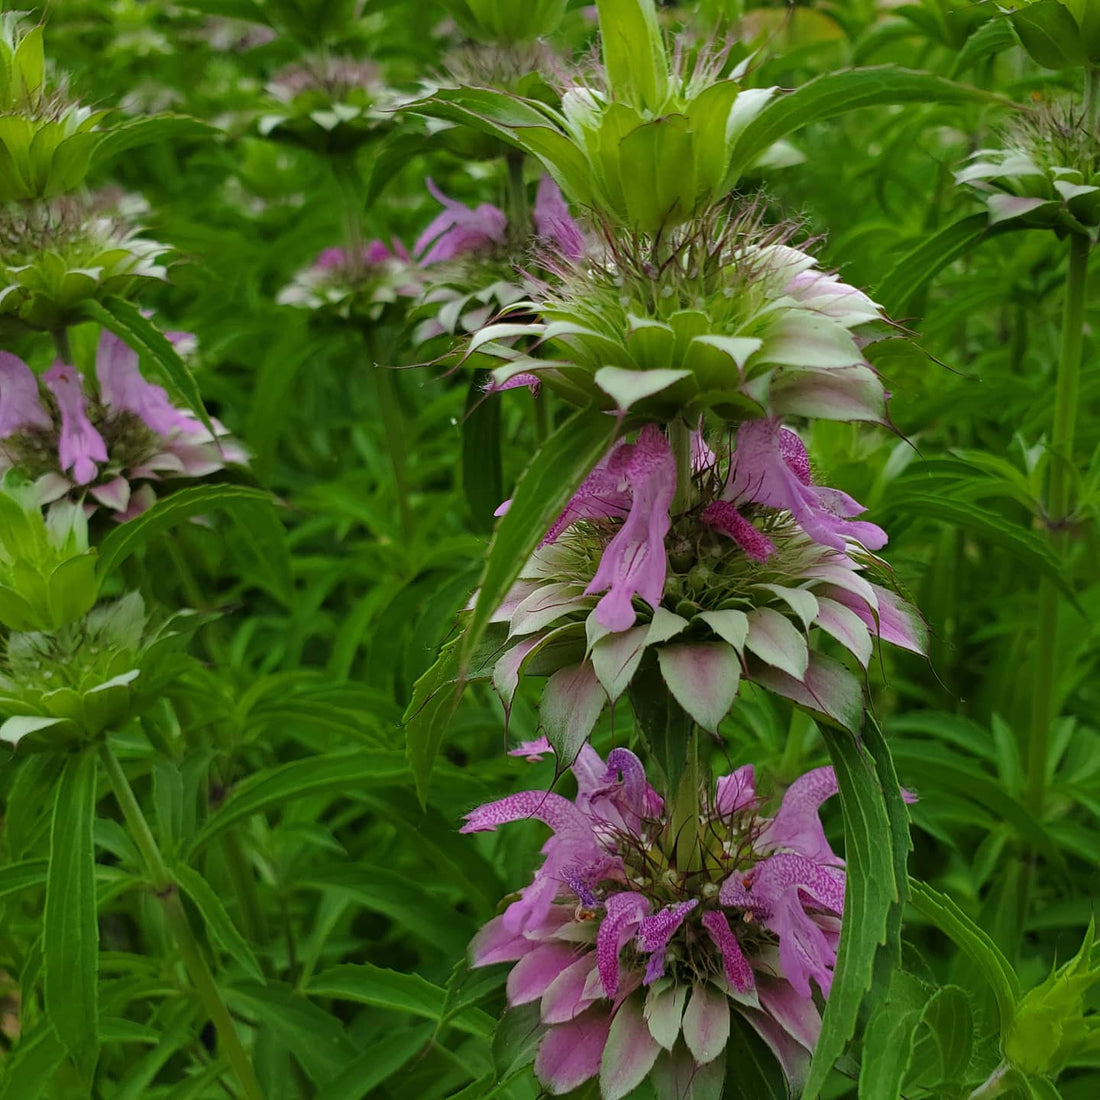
(655, 932)
(122, 387)
(768, 467)
(797, 826)
(738, 971)
(624, 913)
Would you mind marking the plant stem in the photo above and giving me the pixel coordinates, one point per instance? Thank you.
(679, 435)
(393, 424)
(244, 887)
(1058, 497)
(516, 196)
(790, 765)
(347, 176)
(64, 348)
(685, 811)
(179, 926)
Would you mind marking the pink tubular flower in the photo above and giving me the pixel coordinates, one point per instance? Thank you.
(642, 961)
(19, 404)
(459, 230)
(770, 467)
(122, 387)
(79, 446)
(635, 562)
(103, 446)
(554, 223)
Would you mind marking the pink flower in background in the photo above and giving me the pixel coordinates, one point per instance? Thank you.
(459, 231)
(462, 231)
(110, 444)
(635, 961)
(79, 445)
(20, 406)
(554, 223)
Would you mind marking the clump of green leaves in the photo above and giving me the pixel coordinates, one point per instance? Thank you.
(47, 570)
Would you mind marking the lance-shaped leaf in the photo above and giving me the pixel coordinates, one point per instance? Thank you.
(70, 931)
(543, 491)
(634, 52)
(129, 325)
(833, 94)
(869, 896)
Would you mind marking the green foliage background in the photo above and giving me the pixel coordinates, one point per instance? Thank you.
(335, 909)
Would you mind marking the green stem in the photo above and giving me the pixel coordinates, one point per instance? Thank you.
(519, 217)
(685, 811)
(63, 346)
(244, 887)
(790, 766)
(679, 435)
(1092, 98)
(393, 424)
(1058, 499)
(179, 926)
(347, 176)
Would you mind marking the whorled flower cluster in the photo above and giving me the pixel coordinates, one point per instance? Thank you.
(56, 256)
(728, 588)
(644, 943)
(105, 445)
(734, 321)
(1046, 174)
(462, 269)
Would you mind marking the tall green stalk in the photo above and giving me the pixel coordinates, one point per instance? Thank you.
(1058, 501)
(679, 435)
(175, 917)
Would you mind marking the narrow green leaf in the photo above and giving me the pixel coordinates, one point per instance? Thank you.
(125, 320)
(482, 476)
(217, 920)
(890, 1036)
(375, 985)
(543, 491)
(923, 263)
(665, 725)
(955, 924)
(833, 94)
(25, 1073)
(129, 537)
(752, 1072)
(436, 696)
(146, 130)
(412, 905)
(22, 876)
(316, 1039)
(382, 1060)
(70, 931)
(274, 787)
(870, 893)
(945, 1042)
